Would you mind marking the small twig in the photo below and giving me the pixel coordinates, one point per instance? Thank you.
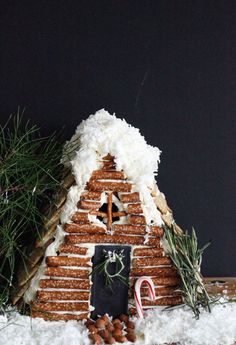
(11, 190)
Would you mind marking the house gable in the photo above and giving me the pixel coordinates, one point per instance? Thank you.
(107, 198)
(65, 285)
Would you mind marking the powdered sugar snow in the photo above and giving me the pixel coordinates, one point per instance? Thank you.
(157, 328)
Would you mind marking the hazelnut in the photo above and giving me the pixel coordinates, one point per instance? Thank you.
(124, 318)
(131, 337)
(89, 322)
(92, 329)
(100, 323)
(117, 332)
(118, 325)
(115, 321)
(129, 330)
(104, 333)
(96, 339)
(110, 340)
(106, 319)
(130, 324)
(120, 338)
(110, 327)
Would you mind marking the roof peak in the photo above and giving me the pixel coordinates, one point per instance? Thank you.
(103, 133)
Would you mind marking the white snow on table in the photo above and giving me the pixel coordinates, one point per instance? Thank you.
(158, 327)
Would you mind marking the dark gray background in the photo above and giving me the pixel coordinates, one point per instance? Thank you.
(168, 67)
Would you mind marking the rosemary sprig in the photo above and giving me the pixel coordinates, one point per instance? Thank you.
(187, 257)
(29, 174)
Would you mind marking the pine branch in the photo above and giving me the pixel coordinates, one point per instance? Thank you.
(29, 174)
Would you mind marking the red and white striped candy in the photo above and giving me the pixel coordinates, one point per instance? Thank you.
(137, 293)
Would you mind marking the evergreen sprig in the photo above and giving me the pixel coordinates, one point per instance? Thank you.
(187, 257)
(29, 174)
(115, 259)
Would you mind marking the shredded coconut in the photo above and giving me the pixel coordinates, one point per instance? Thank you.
(179, 325)
(17, 329)
(159, 327)
(103, 133)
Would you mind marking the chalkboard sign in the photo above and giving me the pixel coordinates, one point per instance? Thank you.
(113, 299)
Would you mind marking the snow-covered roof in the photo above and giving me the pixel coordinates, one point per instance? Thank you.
(104, 133)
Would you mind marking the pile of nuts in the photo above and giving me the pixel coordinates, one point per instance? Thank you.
(105, 330)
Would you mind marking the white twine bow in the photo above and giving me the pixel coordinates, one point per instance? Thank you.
(114, 257)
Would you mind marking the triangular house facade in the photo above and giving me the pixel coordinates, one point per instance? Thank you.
(112, 206)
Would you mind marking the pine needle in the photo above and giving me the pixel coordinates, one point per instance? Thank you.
(29, 174)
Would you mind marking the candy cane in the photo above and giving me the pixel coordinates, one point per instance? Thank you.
(137, 295)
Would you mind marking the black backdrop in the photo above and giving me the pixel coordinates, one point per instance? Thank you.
(168, 67)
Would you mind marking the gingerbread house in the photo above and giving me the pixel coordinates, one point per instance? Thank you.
(109, 204)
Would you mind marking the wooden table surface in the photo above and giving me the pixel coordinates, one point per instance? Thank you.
(221, 286)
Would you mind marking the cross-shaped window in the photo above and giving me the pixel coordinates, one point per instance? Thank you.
(109, 212)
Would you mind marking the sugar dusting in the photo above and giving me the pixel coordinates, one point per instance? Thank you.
(157, 328)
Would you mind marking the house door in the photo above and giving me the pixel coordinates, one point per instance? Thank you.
(111, 299)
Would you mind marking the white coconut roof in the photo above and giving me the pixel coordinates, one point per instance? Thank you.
(104, 133)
